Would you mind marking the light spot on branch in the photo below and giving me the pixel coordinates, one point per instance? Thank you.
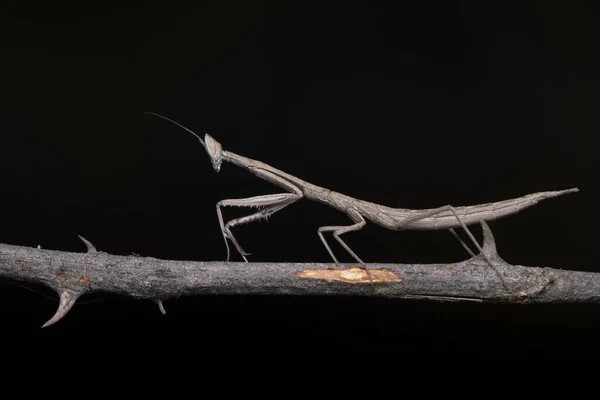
(351, 275)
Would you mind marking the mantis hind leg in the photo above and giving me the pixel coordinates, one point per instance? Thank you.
(406, 224)
(453, 232)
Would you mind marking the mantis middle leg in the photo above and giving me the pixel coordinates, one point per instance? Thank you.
(340, 230)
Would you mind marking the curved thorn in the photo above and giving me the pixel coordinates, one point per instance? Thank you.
(67, 299)
(88, 244)
(489, 243)
(161, 307)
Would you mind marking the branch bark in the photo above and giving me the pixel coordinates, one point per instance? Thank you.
(72, 275)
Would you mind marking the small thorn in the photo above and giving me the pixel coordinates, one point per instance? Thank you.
(161, 307)
(67, 299)
(39, 247)
(489, 243)
(88, 244)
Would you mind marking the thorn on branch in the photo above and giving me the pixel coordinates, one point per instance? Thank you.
(489, 243)
(88, 244)
(161, 307)
(67, 299)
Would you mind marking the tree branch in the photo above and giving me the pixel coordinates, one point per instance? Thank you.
(72, 275)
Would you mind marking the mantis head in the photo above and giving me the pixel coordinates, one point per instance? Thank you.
(214, 150)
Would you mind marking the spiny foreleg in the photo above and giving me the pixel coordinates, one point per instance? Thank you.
(271, 203)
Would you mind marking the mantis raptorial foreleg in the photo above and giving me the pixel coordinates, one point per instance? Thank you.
(271, 202)
(430, 213)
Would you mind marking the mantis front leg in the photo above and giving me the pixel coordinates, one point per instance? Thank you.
(271, 203)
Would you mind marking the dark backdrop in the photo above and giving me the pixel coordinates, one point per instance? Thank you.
(412, 106)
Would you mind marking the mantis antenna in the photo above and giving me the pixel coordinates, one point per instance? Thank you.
(176, 123)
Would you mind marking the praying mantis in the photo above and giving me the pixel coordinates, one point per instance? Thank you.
(445, 217)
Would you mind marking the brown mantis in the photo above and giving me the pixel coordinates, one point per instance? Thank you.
(445, 217)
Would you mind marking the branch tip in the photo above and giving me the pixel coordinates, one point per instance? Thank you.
(67, 299)
(88, 244)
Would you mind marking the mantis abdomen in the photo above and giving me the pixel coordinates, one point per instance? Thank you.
(398, 218)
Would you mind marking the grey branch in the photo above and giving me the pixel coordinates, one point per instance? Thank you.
(72, 275)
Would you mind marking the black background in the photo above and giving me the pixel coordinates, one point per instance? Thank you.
(407, 105)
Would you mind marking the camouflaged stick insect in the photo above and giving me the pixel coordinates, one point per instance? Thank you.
(445, 217)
